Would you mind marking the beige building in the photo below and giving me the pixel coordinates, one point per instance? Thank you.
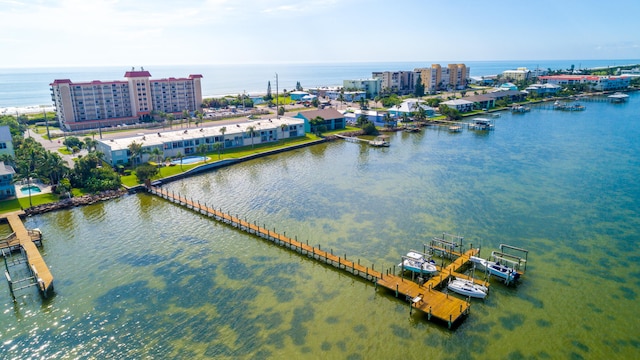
(402, 82)
(89, 105)
(438, 78)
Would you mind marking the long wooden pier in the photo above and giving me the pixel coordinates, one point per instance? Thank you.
(424, 297)
(25, 239)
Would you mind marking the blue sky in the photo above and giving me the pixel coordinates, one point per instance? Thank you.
(170, 32)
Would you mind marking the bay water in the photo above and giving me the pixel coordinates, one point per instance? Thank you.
(139, 277)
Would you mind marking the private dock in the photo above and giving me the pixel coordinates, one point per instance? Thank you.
(26, 240)
(423, 296)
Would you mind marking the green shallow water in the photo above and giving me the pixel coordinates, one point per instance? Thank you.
(139, 277)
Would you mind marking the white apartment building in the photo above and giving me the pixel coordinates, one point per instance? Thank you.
(403, 82)
(90, 105)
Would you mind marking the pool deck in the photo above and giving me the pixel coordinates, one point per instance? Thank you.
(44, 189)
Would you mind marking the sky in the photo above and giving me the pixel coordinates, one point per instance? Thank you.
(48, 33)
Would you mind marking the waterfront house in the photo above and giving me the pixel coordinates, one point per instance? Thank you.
(482, 101)
(543, 89)
(509, 95)
(410, 106)
(6, 142)
(351, 116)
(459, 104)
(7, 189)
(371, 87)
(187, 141)
(597, 83)
(333, 119)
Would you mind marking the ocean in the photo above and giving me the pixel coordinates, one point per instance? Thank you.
(23, 87)
(139, 277)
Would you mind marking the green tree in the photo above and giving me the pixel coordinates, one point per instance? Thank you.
(370, 129)
(283, 127)
(419, 88)
(202, 150)
(281, 110)
(218, 146)
(318, 125)
(361, 121)
(71, 141)
(268, 96)
(187, 116)
(157, 155)
(251, 130)
(146, 172)
(171, 118)
(179, 156)
(135, 150)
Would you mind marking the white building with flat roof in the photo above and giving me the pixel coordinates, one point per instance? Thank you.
(187, 141)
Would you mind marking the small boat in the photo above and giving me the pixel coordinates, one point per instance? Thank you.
(417, 263)
(495, 268)
(380, 141)
(519, 109)
(455, 128)
(467, 288)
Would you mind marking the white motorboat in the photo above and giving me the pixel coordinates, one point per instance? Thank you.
(416, 262)
(467, 288)
(495, 268)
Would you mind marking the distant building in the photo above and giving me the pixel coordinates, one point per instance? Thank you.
(543, 89)
(186, 142)
(371, 87)
(6, 143)
(597, 83)
(7, 189)
(297, 95)
(401, 82)
(351, 116)
(435, 78)
(333, 119)
(89, 105)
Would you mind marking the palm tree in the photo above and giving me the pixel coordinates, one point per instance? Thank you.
(218, 147)
(283, 127)
(135, 149)
(179, 155)
(156, 154)
(185, 115)
(170, 118)
(251, 130)
(202, 149)
(200, 116)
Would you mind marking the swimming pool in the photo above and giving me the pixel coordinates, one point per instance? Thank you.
(190, 160)
(25, 189)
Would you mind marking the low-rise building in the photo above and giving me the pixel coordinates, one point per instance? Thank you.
(333, 119)
(410, 106)
(597, 83)
(459, 104)
(6, 142)
(186, 142)
(297, 95)
(7, 189)
(543, 89)
(371, 87)
(351, 116)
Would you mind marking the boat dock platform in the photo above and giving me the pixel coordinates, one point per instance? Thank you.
(26, 241)
(423, 295)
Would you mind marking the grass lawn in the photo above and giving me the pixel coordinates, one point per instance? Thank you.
(23, 203)
(64, 150)
(232, 153)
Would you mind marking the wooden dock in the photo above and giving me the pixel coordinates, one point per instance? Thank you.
(26, 239)
(424, 297)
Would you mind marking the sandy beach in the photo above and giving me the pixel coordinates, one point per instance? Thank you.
(26, 109)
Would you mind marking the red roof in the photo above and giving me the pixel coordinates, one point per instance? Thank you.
(194, 76)
(61, 81)
(143, 73)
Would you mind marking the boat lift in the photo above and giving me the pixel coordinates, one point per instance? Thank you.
(448, 246)
(30, 280)
(509, 257)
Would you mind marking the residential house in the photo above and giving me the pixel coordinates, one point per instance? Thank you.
(7, 188)
(297, 95)
(482, 101)
(6, 142)
(459, 104)
(597, 83)
(410, 106)
(543, 90)
(333, 119)
(351, 116)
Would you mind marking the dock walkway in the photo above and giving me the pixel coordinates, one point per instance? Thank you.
(25, 239)
(423, 297)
